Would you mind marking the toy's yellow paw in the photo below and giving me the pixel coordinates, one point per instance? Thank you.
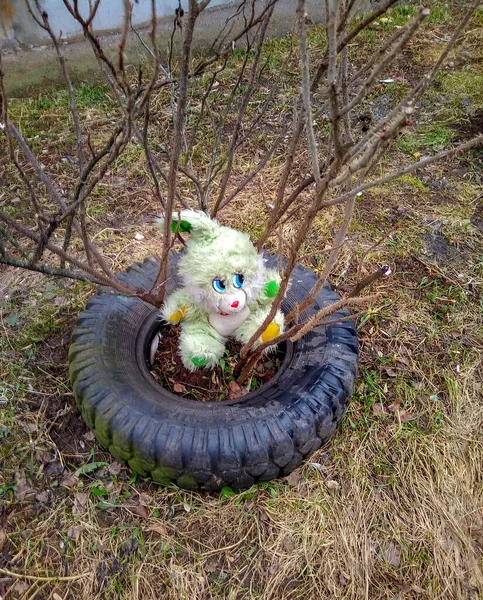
(178, 315)
(270, 332)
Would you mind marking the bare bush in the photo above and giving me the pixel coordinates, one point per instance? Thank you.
(207, 98)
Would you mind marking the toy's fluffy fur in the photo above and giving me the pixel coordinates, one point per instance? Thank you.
(208, 317)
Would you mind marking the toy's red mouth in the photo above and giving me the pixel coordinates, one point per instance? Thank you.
(224, 314)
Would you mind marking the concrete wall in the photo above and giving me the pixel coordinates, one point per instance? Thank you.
(17, 28)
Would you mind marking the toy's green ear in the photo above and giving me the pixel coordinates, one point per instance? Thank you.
(198, 223)
(181, 226)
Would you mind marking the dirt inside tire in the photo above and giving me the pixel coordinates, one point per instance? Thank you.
(208, 384)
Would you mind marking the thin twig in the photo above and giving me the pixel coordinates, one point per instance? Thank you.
(241, 111)
(189, 25)
(344, 41)
(396, 48)
(332, 85)
(413, 167)
(260, 166)
(383, 271)
(331, 260)
(304, 67)
(44, 578)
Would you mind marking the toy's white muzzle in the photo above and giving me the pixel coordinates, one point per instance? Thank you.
(232, 303)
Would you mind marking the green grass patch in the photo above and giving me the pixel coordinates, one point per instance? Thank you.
(464, 84)
(87, 95)
(432, 138)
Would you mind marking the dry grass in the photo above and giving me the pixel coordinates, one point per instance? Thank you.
(390, 509)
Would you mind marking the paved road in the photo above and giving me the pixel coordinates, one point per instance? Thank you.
(27, 70)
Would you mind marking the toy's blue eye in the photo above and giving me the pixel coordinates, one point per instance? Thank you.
(238, 280)
(219, 285)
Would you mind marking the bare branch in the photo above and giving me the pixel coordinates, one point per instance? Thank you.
(50, 270)
(410, 100)
(45, 24)
(332, 86)
(331, 260)
(383, 271)
(296, 332)
(221, 126)
(476, 141)
(304, 67)
(5, 234)
(193, 13)
(228, 47)
(261, 165)
(67, 257)
(361, 26)
(242, 110)
(93, 40)
(398, 45)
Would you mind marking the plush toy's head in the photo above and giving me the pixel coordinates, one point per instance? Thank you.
(220, 267)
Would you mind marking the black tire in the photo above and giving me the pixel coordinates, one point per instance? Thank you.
(263, 435)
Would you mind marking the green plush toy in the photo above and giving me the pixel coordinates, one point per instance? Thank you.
(227, 290)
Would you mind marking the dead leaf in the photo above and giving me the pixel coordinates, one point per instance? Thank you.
(20, 587)
(404, 361)
(53, 469)
(22, 488)
(288, 544)
(263, 516)
(417, 589)
(235, 390)
(56, 596)
(343, 579)
(395, 406)
(75, 532)
(145, 499)
(319, 467)
(69, 481)
(405, 416)
(212, 565)
(115, 468)
(179, 388)
(378, 409)
(140, 510)
(392, 554)
(332, 484)
(294, 478)
(32, 427)
(139, 237)
(390, 371)
(43, 456)
(159, 528)
(43, 497)
(371, 547)
(80, 503)
(129, 546)
(3, 537)
(187, 507)
(273, 568)
(89, 436)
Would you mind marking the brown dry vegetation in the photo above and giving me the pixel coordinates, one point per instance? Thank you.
(391, 508)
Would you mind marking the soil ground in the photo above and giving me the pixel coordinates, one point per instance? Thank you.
(213, 385)
(390, 508)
